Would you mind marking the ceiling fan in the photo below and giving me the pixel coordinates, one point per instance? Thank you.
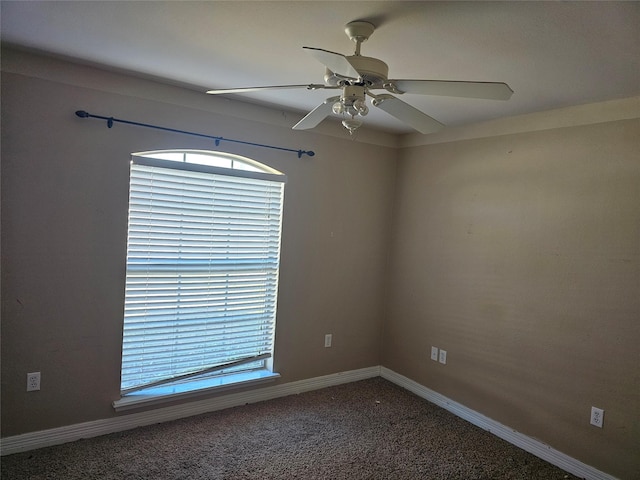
(358, 76)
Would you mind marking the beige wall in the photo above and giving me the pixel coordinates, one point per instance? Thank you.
(64, 211)
(520, 256)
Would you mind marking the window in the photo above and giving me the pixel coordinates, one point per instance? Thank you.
(203, 254)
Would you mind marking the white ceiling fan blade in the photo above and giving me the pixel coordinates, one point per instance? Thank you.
(488, 90)
(407, 114)
(315, 116)
(336, 62)
(312, 86)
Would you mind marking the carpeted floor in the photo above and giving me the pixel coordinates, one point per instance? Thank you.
(370, 429)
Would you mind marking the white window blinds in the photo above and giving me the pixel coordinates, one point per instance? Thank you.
(202, 271)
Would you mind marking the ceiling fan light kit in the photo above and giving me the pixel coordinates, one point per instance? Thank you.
(357, 76)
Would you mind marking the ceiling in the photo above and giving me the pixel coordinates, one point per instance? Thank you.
(552, 54)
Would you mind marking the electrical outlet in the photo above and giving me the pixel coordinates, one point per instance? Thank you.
(597, 417)
(434, 354)
(327, 340)
(33, 381)
(443, 357)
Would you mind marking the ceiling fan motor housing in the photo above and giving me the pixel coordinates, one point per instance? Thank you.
(373, 73)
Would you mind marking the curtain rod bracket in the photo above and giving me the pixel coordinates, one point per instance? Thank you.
(217, 140)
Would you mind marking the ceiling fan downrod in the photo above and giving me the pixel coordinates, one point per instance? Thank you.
(359, 32)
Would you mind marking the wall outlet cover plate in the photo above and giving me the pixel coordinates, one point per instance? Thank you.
(434, 354)
(597, 417)
(443, 357)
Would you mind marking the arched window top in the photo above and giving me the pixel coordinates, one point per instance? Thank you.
(211, 159)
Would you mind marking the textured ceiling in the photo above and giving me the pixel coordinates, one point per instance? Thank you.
(552, 54)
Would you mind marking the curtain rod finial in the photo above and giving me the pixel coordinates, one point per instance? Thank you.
(82, 114)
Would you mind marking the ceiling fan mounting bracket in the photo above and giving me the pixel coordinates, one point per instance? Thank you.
(359, 31)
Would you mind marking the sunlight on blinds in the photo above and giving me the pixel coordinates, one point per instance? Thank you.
(202, 271)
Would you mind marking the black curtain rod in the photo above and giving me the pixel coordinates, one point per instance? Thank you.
(111, 120)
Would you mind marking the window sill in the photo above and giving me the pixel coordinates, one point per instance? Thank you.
(168, 393)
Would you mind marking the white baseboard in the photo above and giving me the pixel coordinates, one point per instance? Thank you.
(57, 436)
(71, 433)
(531, 445)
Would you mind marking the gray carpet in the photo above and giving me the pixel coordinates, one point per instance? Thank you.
(370, 429)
